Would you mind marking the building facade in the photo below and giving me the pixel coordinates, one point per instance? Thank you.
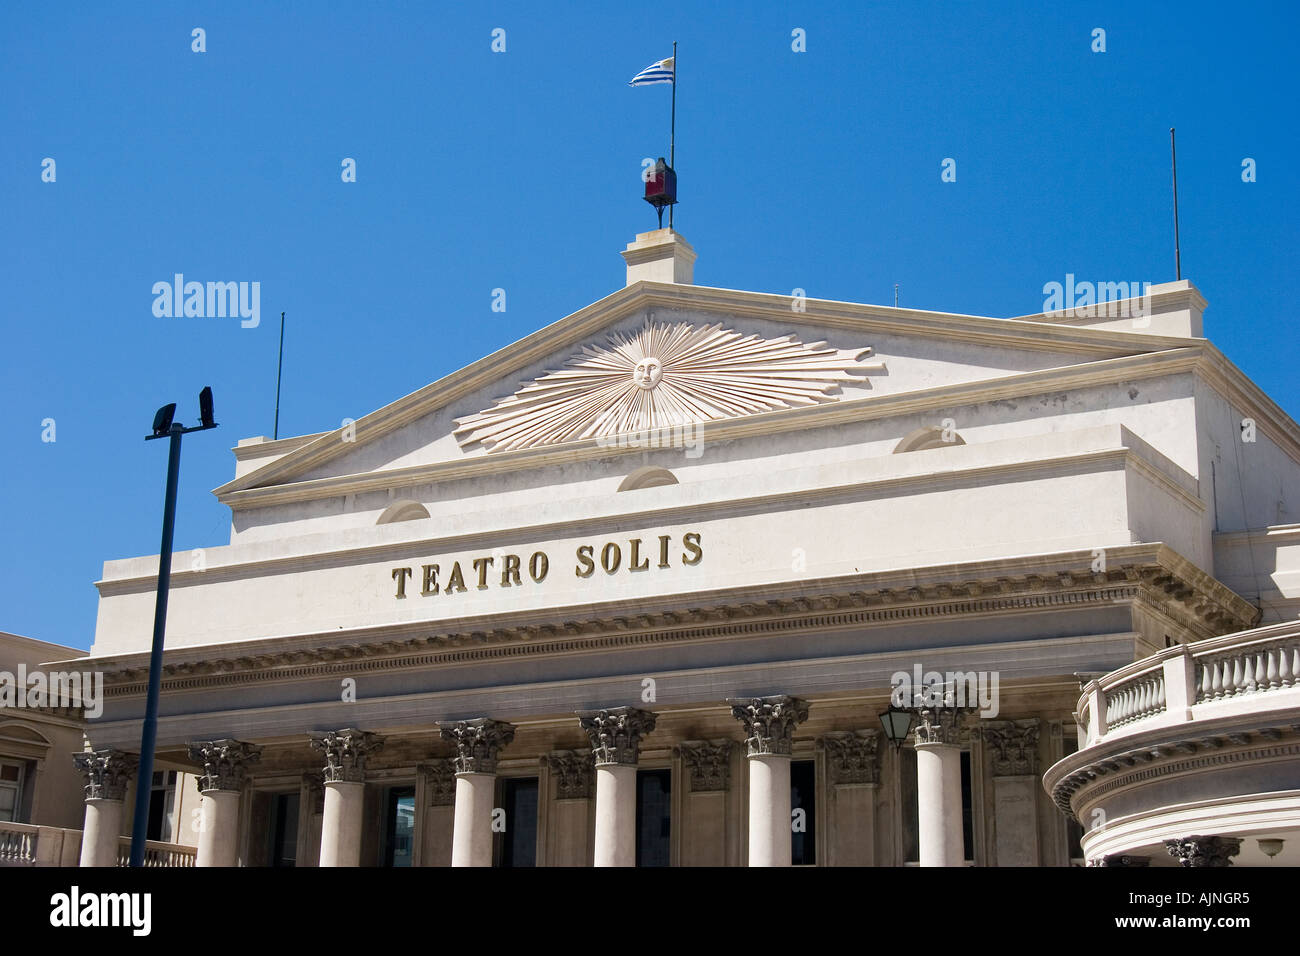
(635, 589)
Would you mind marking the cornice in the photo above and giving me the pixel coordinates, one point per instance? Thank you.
(848, 316)
(1167, 750)
(1150, 575)
(871, 408)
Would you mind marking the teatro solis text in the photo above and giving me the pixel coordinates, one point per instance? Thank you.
(639, 554)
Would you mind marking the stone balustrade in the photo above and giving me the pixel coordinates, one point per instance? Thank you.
(1180, 682)
(1252, 667)
(25, 844)
(158, 854)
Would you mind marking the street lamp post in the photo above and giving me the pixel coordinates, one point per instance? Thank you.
(163, 427)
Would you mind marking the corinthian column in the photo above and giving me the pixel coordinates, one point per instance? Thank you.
(224, 763)
(478, 742)
(345, 774)
(107, 773)
(938, 790)
(769, 727)
(615, 736)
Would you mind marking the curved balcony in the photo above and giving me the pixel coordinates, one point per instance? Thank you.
(1200, 741)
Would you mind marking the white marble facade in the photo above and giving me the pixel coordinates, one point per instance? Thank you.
(681, 496)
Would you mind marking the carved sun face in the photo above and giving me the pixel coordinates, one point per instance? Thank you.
(647, 373)
(659, 377)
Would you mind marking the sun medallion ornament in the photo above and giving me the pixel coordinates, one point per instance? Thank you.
(662, 376)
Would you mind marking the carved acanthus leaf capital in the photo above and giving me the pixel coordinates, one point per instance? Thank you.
(616, 733)
(940, 725)
(852, 757)
(1204, 851)
(1013, 744)
(572, 770)
(439, 781)
(346, 752)
(769, 722)
(107, 772)
(478, 742)
(708, 762)
(224, 763)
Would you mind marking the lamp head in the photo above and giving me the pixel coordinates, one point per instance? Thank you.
(205, 407)
(162, 421)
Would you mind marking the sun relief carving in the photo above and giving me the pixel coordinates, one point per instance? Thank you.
(662, 376)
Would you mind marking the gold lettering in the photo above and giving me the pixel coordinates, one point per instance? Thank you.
(481, 566)
(510, 570)
(456, 581)
(663, 549)
(430, 580)
(691, 541)
(635, 562)
(586, 561)
(537, 568)
(400, 575)
(610, 557)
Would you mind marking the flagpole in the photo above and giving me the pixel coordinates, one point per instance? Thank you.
(672, 133)
(1173, 160)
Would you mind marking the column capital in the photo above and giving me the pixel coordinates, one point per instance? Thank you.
(439, 782)
(1014, 745)
(616, 733)
(708, 762)
(478, 742)
(572, 770)
(769, 722)
(107, 772)
(224, 763)
(852, 756)
(1204, 851)
(346, 752)
(939, 725)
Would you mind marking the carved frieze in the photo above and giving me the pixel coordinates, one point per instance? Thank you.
(708, 762)
(616, 733)
(346, 752)
(224, 762)
(106, 772)
(478, 743)
(852, 757)
(769, 722)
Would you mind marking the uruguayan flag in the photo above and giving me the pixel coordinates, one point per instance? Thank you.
(661, 72)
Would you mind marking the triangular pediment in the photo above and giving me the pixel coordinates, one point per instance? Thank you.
(659, 355)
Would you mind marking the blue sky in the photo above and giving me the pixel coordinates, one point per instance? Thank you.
(521, 170)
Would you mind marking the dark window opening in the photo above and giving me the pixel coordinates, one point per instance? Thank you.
(803, 788)
(399, 826)
(517, 846)
(284, 829)
(653, 823)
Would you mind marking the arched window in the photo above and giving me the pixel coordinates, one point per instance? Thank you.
(931, 436)
(403, 509)
(648, 477)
